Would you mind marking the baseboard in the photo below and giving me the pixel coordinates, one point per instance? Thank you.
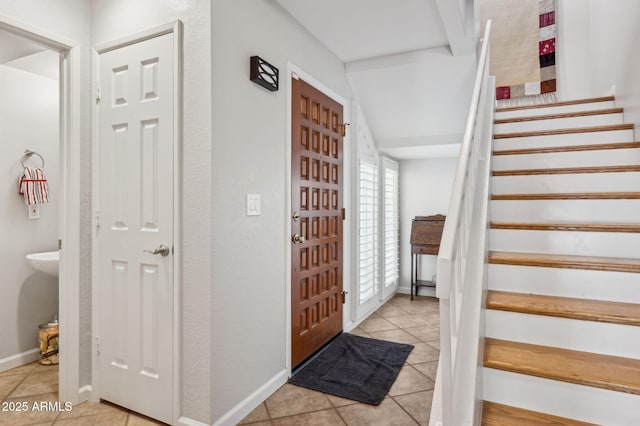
(17, 360)
(190, 422)
(85, 393)
(431, 292)
(246, 406)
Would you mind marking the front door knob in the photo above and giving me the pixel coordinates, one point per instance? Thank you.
(297, 239)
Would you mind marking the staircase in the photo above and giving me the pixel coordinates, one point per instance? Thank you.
(563, 308)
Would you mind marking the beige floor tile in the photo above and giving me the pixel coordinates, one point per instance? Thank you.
(257, 415)
(376, 323)
(105, 419)
(417, 404)
(397, 335)
(339, 401)
(425, 333)
(388, 413)
(89, 408)
(23, 369)
(290, 400)
(429, 369)
(408, 321)
(422, 352)
(140, 420)
(391, 311)
(410, 380)
(29, 416)
(37, 383)
(317, 418)
(434, 344)
(9, 383)
(359, 332)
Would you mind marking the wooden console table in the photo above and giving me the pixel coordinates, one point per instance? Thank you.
(426, 232)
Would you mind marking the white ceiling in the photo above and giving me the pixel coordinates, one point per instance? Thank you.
(20, 53)
(410, 63)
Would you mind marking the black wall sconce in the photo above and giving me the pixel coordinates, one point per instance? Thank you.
(263, 73)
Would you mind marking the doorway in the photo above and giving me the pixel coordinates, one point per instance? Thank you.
(68, 151)
(317, 216)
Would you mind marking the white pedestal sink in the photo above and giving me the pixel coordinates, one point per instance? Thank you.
(45, 262)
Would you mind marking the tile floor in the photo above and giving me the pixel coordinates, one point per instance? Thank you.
(409, 399)
(38, 384)
(408, 402)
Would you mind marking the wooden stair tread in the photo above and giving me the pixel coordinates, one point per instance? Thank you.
(494, 414)
(582, 227)
(568, 170)
(565, 307)
(559, 115)
(562, 103)
(566, 261)
(564, 131)
(583, 368)
(568, 148)
(570, 196)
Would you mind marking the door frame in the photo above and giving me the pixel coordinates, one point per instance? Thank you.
(69, 206)
(294, 71)
(175, 28)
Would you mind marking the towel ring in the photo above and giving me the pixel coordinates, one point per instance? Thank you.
(28, 153)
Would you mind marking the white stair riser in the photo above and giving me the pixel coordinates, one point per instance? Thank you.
(589, 404)
(570, 182)
(577, 335)
(559, 123)
(571, 139)
(581, 283)
(610, 211)
(555, 109)
(606, 157)
(609, 244)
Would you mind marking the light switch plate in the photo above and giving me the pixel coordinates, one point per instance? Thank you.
(253, 205)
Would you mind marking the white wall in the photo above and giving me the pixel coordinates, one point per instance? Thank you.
(71, 19)
(249, 156)
(112, 19)
(28, 120)
(425, 188)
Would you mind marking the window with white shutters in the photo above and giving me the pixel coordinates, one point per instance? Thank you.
(390, 227)
(368, 232)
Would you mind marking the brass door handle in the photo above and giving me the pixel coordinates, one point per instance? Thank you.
(297, 239)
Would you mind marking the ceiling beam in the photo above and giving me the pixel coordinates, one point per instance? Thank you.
(455, 23)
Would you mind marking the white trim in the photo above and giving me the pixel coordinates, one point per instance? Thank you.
(17, 360)
(69, 215)
(293, 71)
(190, 422)
(85, 393)
(247, 405)
(175, 28)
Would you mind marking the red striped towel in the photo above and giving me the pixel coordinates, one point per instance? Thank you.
(33, 186)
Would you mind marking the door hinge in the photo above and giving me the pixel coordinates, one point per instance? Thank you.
(97, 220)
(97, 345)
(343, 295)
(343, 126)
(344, 213)
(59, 244)
(98, 96)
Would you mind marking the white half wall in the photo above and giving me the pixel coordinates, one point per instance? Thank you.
(425, 189)
(28, 120)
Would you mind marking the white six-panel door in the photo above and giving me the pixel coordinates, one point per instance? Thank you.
(136, 167)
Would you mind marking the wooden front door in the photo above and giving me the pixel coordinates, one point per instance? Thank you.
(316, 220)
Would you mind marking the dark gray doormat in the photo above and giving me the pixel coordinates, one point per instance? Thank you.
(355, 367)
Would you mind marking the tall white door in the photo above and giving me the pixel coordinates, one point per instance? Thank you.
(135, 227)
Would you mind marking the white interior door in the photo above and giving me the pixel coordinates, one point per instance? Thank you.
(136, 149)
